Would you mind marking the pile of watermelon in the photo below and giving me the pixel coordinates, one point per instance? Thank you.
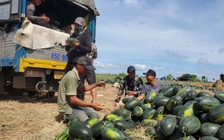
(174, 113)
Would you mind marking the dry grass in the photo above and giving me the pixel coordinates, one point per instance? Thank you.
(22, 118)
(138, 133)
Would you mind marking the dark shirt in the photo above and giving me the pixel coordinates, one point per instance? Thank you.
(75, 52)
(134, 84)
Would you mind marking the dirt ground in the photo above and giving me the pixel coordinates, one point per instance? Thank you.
(22, 118)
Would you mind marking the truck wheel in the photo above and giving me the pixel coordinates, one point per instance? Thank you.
(13, 91)
(2, 82)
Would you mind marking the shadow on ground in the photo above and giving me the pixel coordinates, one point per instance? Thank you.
(24, 98)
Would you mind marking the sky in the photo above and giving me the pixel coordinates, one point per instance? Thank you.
(169, 36)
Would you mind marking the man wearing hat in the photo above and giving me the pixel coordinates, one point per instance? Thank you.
(69, 105)
(81, 47)
(131, 84)
(151, 85)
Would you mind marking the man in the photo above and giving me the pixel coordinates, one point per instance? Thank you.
(69, 105)
(151, 85)
(30, 10)
(131, 84)
(90, 77)
(81, 47)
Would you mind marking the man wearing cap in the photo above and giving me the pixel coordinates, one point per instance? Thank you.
(151, 85)
(69, 105)
(81, 47)
(30, 10)
(131, 84)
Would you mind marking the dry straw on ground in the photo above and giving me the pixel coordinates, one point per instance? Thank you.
(218, 85)
(22, 118)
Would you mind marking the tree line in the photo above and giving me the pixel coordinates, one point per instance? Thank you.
(111, 78)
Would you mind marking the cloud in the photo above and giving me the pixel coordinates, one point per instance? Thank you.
(203, 61)
(158, 68)
(202, 53)
(141, 67)
(174, 54)
(117, 2)
(125, 3)
(134, 4)
(122, 66)
(221, 50)
(102, 65)
(131, 2)
(210, 73)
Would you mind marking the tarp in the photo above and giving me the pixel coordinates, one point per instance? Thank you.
(34, 37)
(90, 4)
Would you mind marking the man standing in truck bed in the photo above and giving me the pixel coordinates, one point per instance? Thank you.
(80, 45)
(39, 20)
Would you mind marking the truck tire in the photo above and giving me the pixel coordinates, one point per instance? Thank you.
(2, 81)
(13, 91)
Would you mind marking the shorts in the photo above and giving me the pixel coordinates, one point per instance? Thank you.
(90, 77)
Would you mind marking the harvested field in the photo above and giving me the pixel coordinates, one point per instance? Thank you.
(22, 118)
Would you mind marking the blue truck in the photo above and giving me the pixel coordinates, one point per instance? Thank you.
(38, 71)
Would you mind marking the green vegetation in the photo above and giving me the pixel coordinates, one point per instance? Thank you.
(112, 78)
(108, 78)
(194, 78)
(188, 77)
(169, 77)
(204, 79)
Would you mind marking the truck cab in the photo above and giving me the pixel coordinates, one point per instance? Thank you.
(33, 57)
